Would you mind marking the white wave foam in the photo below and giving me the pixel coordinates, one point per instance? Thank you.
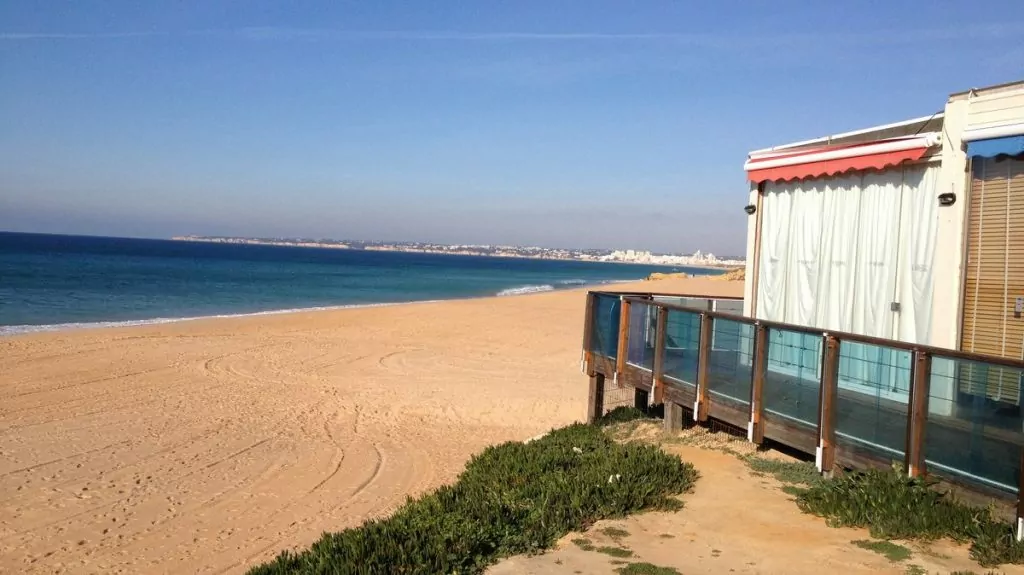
(573, 282)
(20, 329)
(521, 290)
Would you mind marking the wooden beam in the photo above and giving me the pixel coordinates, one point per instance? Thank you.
(703, 358)
(623, 350)
(760, 360)
(659, 356)
(673, 417)
(595, 403)
(588, 329)
(828, 399)
(920, 377)
(757, 250)
(1020, 498)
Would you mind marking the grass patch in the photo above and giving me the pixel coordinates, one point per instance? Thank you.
(647, 569)
(890, 550)
(615, 532)
(893, 506)
(793, 490)
(620, 552)
(666, 536)
(511, 499)
(584, 543)
(915, 570)
(789, 472)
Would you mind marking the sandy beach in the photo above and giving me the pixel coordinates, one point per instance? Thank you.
(207, 446)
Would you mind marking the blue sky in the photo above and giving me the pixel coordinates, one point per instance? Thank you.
(587, 123)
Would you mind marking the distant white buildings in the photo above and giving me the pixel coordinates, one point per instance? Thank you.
(644, 257)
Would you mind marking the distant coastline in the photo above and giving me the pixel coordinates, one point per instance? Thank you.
(518, 252)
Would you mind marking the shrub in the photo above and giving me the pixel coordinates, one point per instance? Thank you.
(512, 498)
(893, 506)
(622, 414)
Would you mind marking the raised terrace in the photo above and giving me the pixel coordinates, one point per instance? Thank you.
(850, 401)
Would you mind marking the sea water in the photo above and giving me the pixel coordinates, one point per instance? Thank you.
(50, 282)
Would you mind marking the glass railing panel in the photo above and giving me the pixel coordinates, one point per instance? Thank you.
(643, 322)
(793, 378)
(872, 403)
(604, 335)
(729, 365)
(974, 428)
(682, 345)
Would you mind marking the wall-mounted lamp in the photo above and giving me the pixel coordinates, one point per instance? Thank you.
(947, 199)
(750, 209)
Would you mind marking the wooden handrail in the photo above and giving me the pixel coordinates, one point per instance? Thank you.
(844, 336)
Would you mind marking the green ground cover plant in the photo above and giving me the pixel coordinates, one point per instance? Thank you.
(893, 506)
(511, 499)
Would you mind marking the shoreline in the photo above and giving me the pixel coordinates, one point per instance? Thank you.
(29, 329)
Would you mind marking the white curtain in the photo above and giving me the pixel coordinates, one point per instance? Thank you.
(805, 235)
(917, 254)
(841, 218)
(876, 241)
(775, 224)
(837, 252)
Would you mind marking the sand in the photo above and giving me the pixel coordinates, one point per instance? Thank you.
(207, 446)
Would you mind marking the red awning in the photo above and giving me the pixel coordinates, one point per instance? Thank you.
(830, 161)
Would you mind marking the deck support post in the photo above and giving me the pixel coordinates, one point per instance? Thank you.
(673, 417)
(700, 411)
(917, 418)
(755, 432)
(595, 403)
(828, 396)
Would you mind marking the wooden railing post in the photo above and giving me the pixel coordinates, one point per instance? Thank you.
(920, 377)
(755, 432)
(700, 411)
(1020, 498)
(659, 356)
(828, 397)
(623, 350)
(588, 335)
(595, 403)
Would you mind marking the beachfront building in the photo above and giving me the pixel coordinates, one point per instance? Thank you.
(883, 309)
(912, 231)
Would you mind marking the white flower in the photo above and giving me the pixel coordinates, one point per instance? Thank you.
(577, 450)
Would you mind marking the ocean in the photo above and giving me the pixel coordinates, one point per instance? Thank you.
(52, 282)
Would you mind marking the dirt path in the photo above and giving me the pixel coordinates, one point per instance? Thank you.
(733, 522)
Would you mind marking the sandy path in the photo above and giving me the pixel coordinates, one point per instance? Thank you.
(206, 446)
(736, 522)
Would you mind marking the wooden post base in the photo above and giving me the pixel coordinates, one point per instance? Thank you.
(673, 417)
(595, 405)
